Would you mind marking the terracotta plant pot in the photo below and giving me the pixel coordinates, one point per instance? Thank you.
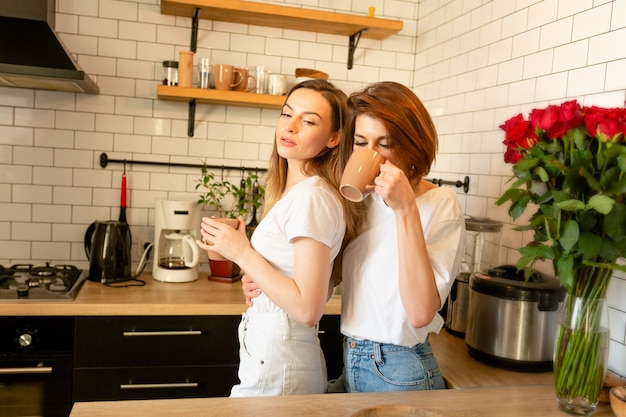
(224, 271)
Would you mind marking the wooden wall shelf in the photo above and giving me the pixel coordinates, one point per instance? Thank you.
(211, 96)
(272, 15)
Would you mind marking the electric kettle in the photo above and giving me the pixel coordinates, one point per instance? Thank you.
(108, 248)
(177, 250)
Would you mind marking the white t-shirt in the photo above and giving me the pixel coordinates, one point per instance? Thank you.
(371, 307)
(309, 209)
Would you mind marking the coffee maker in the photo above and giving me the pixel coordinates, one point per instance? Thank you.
(176, 228)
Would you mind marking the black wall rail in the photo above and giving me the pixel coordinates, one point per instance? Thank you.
(105, 160)
(458, 183)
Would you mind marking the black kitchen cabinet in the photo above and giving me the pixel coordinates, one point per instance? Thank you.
(150, 357)
(146, 357)
(331, 341)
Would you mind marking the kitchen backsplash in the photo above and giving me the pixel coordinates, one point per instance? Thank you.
(473, 63)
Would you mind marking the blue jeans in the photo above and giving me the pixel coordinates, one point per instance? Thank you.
(378, 367)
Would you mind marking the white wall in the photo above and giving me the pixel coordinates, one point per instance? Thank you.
(479, 63)
(475, 63)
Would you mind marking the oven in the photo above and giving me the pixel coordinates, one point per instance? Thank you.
(36, 366)
(36, 353)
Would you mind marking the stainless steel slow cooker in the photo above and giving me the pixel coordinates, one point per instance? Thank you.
(511, 321)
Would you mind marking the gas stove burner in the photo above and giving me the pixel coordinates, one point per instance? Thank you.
(44, 282)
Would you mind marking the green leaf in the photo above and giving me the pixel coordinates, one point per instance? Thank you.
(525, 164)
(569, 235)
(601, 203)
(512, 194)
(589, 244)
(615, 222)
(536, 251)
(565, 270)
(541, 173)
(618, 187)
(518, 209)
(571, 205)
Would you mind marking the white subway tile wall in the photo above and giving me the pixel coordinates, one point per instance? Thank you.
(473, 63)
(479, 63)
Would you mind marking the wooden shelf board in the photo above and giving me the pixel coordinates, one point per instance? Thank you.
(211, 96)
(264, 14)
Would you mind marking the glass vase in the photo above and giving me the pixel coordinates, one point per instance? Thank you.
(580, 354)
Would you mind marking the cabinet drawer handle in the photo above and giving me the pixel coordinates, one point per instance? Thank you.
(166, 385)
(165, 333)
(33, 370)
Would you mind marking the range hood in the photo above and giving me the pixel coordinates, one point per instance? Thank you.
(32, 55)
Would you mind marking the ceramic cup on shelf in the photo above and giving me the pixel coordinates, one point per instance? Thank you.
(277, 84)
(244, 80)
(358, 178)
(224, 77)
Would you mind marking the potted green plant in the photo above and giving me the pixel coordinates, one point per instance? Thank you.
(224, 199)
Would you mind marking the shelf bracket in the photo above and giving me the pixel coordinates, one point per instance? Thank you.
(193, 46)
(354, 41)
(192, 118)
(194, 29)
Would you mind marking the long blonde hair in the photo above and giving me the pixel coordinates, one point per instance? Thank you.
(328, 164)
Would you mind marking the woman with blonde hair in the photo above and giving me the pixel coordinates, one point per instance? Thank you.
(291, 253)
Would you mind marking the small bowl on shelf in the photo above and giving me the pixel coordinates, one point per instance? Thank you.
(617, 396)
(311, 73)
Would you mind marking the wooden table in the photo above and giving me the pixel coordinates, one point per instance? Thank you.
(518, 401)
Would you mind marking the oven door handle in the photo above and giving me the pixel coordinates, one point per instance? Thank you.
(30, 370)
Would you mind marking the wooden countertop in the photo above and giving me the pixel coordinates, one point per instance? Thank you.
(200, 297)
(461, 370)
(518, 401)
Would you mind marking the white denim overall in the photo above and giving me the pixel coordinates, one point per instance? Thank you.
(278, 356)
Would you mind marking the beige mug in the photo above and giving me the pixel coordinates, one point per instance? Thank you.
(234, 223)
(224, 76)
(358, 176)
(244, 80)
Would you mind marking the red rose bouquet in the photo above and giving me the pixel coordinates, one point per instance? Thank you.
(569, 162)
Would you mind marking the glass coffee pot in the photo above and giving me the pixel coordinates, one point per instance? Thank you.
(177, 249)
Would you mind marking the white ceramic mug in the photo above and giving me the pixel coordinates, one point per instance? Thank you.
(277, 84)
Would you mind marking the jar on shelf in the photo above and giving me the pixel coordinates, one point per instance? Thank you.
(170, 72)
